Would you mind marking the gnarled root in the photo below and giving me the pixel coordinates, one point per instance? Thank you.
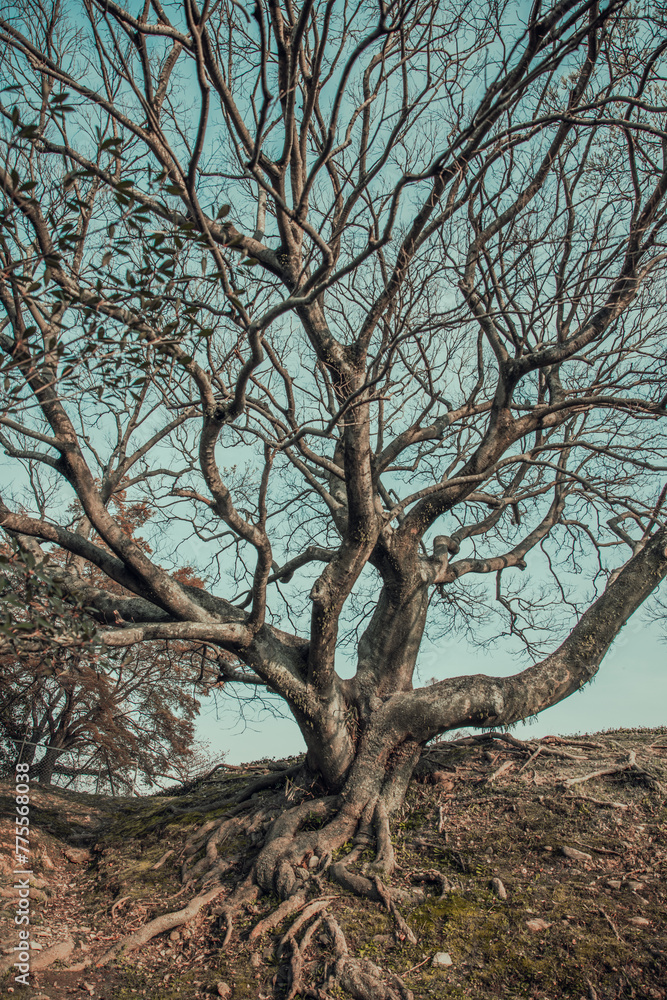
(361, 978)
(298, 951)
(283, 849)
(167, 922)
(296, 835)
(245, 894)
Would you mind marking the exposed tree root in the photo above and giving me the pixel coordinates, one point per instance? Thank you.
(298, 847)
(296, 837)
(365, 887)
(385, 860)
(56, 953)
(506, 739)
(316, 907)
(298, 951)
(632, 767)
(261, 783)
(166, 922)
(432, 875)
(288, 906)
(403, 931)
(162, 860)
(245, 894)
(361, 978)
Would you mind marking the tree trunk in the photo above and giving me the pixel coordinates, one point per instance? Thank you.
(45, 767)
(336, 809)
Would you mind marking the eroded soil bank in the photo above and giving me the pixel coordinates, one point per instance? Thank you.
(526, 882)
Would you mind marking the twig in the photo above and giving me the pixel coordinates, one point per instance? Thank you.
(531, 758)
(611, 923)
(631, 765)
(119, 902)
(563, 754)
(513, 742)
(162, 860)
(501, 770)
(598, 802)
(595, 774)
(598, 850)
(592, 992)
(415, 967)
(561, 741)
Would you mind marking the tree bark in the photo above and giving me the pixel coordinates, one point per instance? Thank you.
(45, 767)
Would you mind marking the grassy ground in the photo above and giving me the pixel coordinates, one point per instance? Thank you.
(590, 925)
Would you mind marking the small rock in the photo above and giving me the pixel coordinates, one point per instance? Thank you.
(634, 885)
(223, 990)
(36, 945)
(640, 921)
(537, 925)
(614, 883)
(174, 936)
(313, 861)
(77, 855)
(547, 848)
(441, 959)
(498, 887)
(575, 855)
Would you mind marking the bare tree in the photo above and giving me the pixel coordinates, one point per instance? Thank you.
(368, 302)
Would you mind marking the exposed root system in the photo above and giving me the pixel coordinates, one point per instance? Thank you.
(167, 922)
(268, 879)
(300, 839)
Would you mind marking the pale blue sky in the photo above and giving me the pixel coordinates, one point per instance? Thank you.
(630, 690)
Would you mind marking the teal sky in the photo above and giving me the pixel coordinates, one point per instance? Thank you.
(630, 690)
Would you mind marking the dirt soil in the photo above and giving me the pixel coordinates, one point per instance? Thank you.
(526, 882)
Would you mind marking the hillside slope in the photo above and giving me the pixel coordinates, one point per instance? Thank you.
(520, 881)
